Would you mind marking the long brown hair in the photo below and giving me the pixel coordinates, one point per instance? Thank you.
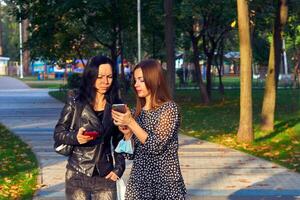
(155, 83)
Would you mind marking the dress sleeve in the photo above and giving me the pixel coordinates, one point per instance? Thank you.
(164, 130)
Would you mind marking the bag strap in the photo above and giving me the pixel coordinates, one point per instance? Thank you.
(112, 152)
(74, 115)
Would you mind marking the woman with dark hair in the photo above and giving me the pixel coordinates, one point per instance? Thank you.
(90, 170)
(154, 129)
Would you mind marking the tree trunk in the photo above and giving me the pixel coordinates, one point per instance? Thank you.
(26, 52)
(1, 31)
(203, 92)
(269, 101)
(268, 107)
(219, 63)
(169, 38)
(245, 132)
(114, 56)
(209, 60)
(280, 21)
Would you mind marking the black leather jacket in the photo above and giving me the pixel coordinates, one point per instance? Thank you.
(95, 153)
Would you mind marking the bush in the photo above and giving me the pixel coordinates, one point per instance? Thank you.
(74, 81)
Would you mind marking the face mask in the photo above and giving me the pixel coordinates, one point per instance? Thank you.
(125, 146)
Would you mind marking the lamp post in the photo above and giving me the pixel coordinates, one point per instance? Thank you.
(21, 45)
(139, 28)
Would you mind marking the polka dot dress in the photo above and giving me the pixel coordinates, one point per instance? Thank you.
(156, 172)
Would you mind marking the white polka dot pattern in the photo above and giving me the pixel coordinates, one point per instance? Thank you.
(156, 172)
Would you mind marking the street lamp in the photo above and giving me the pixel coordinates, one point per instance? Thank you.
(139, 28)
(21, 44)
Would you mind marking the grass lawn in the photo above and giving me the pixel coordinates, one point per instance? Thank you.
(18, 167)
(219, 121)
(33, 82)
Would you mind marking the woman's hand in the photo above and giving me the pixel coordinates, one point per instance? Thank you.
(82, 139)
(122, 119)
(112, 176)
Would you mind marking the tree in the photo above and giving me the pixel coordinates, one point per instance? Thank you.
(269, 101)
(10, 36)
(169, 38)
(206, 24)
(71, 29)
(1, 31)
(216, 19)
(245, 132)
(26, 52)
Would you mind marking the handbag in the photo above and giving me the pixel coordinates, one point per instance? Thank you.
(66, 149)
(121, 188)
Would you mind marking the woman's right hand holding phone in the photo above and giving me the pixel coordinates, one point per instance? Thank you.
(81, 138)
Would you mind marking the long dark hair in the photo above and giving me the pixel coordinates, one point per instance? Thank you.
(87, 90)
(155, 83)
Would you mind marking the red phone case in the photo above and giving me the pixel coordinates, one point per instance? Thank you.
(93, 134)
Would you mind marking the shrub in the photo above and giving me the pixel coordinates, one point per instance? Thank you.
(74, 81)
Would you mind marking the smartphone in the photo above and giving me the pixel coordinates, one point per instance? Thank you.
(119, 108)
(93, 134)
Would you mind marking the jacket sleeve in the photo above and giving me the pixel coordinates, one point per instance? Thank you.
(167, 126)
(119, 158)
(62, 132)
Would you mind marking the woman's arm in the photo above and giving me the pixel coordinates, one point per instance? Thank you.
(127, 120)
(167, 126)
(62, 132)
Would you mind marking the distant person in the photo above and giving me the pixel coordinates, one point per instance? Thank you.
(154, 130)
(90, 170)
(127, 76)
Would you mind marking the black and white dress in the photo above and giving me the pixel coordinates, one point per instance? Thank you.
(156, 172)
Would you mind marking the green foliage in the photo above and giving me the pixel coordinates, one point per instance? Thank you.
(10, 38)
(219, 122)
(261, 49)
(18, 168)
(74, 81)
(65, 29)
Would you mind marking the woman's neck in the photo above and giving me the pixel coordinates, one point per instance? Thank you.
(148, 103)
(100, 102)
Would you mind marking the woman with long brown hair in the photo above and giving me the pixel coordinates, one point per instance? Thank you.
(154, 129)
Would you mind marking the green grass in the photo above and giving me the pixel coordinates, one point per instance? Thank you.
(18, 167)
(59, 95)
(218, 122)
(33, 82)
(44, 85)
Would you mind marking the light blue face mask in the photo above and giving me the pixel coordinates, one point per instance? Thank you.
(125, 146)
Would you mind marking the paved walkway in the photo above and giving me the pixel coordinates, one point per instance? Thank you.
(211, 172)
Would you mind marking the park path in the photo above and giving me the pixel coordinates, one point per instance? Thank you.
(211, 171)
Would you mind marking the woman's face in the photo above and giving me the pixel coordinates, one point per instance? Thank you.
(104, 79)
(140, 85)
